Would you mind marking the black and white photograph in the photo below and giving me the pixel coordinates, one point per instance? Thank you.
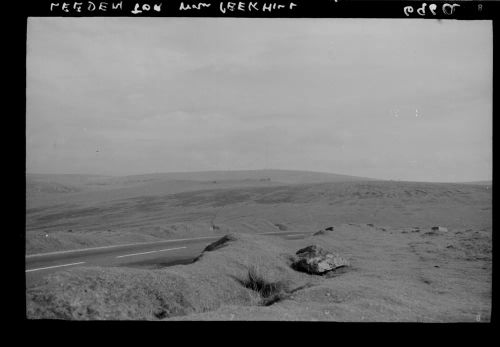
(258, 169)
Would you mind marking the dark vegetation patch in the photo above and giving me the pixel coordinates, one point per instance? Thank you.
(269, 292)
(151, 203)
(76, 213)
(79, 212)
(211, 198)
(285, 196)
(164, 309)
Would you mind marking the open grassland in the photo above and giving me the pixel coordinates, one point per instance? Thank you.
(256, 208)
(395, 275)
(400, 270)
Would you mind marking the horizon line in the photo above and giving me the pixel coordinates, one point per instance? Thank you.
(242, 170)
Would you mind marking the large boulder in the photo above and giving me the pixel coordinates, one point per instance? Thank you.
(315, 260)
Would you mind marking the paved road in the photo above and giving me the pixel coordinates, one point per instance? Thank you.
(140, 255)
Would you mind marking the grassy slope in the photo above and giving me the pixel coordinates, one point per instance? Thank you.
(285, 176)
(395, 275)
(254, 209)
(45, 189)
(85, 293)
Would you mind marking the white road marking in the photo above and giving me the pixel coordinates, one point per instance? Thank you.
(161, 250)
(132, 244)
(140, 243)
(120, 245)
(51, 267)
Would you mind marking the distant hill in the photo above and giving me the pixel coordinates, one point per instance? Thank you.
(71, 182)
(60, 183)
(178, 181)
(64, 178)
(482, 183)
(60, 188)
(284, 176)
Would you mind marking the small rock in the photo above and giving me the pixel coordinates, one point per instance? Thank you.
(439, 228)
(315, 260)
(323, 231)
(281, 227)
(370, 225)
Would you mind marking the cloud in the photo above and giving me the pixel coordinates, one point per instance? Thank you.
(175, 94)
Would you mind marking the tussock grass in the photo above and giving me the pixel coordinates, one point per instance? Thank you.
(269, 292)
(220, 277)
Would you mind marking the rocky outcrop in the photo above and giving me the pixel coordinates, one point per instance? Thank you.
(316, 260)
(323, 231)
(219, 243)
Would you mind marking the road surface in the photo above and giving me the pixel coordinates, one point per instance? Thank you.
(148, 255)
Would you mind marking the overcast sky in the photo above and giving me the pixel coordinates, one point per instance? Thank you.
(390, 99)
